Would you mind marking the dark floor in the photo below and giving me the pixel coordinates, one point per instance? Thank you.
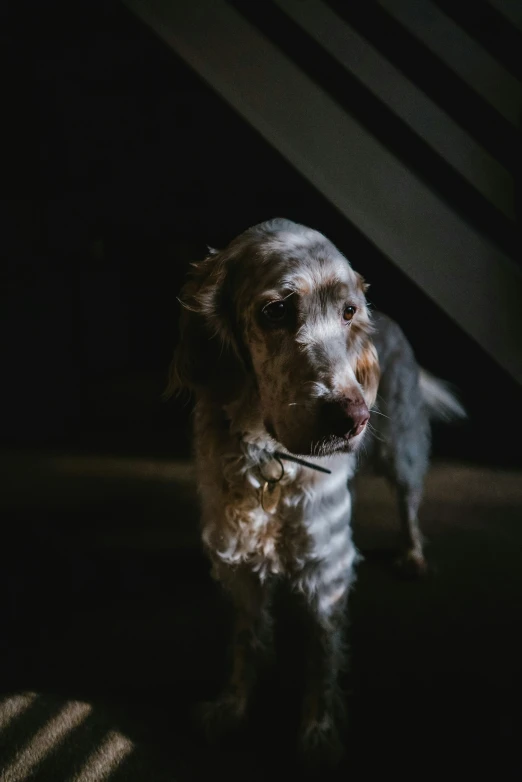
(110, 617)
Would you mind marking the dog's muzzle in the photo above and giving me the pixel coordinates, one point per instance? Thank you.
(346, 417)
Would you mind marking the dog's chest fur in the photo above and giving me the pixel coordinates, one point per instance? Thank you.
(306, 527)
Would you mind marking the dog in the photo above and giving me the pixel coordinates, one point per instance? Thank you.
(278, 346)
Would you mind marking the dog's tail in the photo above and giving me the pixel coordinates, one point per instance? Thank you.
(441, 401)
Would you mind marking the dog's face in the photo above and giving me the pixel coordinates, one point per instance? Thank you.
(292, 318)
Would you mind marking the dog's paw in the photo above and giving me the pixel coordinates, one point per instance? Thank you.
(221, 718)
(320, 744)
(412, 564)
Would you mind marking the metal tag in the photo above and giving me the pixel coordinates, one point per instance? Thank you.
(270, 496)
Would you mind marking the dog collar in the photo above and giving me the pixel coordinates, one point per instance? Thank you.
(290, 458)
(271, 491)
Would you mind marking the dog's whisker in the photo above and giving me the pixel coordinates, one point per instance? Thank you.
(378, 412)
(374, 433)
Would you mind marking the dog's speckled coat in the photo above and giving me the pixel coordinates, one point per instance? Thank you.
(262, 387)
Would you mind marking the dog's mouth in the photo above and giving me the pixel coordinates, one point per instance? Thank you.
(332, 444)
(325, 445)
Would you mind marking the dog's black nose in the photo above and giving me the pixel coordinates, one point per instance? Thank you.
(357, 416)
(346, 417)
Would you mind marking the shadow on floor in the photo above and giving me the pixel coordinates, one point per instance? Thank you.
(109, 615)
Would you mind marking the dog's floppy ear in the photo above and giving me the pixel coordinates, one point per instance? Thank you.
(368, 372)
(367, 368)
(208, 356)
(362, 282)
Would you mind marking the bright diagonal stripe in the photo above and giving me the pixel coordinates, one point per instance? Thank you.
(14, 706)
(106, 758)
(45, 740)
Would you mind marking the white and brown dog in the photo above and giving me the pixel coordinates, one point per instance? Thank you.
(276, 343)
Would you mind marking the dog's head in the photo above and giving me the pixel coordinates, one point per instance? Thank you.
(282, 308)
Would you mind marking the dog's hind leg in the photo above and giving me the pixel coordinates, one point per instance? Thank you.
(409, 499)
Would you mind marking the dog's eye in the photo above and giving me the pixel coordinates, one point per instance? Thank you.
(275, 311)
(348, 313)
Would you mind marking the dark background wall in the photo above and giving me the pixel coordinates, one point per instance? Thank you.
(122, 166)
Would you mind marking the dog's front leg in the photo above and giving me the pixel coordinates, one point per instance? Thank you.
(252, 639)
(326, 656)
(322, 703)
